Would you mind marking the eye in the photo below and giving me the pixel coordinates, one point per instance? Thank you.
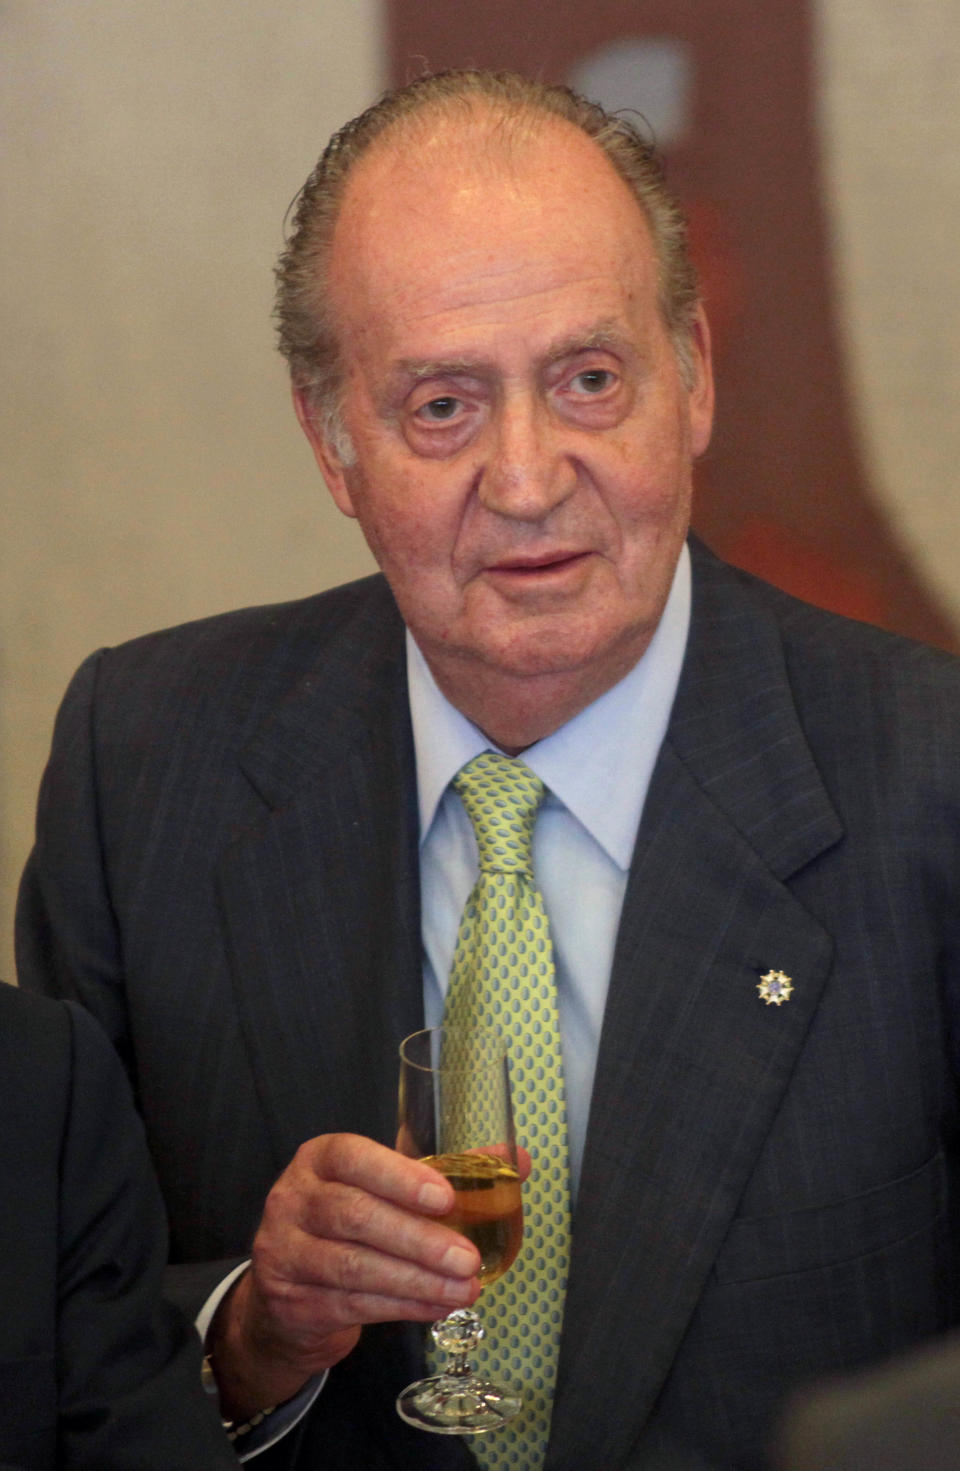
(440, 409)
(593, 380)
(441, 414)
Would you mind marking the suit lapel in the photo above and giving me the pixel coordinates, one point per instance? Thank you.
(692, 1063)
(321, 897)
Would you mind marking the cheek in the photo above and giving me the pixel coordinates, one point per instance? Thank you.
(392, 537)
(651, 489)
(402, 530)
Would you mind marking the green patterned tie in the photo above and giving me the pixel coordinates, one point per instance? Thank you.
(503, 977)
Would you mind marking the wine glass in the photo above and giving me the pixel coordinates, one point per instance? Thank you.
(456, 1115)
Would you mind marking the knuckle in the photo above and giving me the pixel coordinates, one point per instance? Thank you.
(333, 1154)
(357, 1214)
(353, 1308)
(348, 1269)
(286, 1196)
(281, 1201)
(268, 1269)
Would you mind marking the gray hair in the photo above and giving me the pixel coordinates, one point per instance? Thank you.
(305, 322)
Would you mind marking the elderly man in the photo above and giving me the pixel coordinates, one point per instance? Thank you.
(258, 833)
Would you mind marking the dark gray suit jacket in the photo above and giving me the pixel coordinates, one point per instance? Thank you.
(96, 1372)
(226, 873)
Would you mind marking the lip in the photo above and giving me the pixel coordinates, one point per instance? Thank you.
(550, 563)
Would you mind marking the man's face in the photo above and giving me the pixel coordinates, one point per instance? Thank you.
(522, 436)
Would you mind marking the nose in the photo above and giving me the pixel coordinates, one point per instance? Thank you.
(526, 473)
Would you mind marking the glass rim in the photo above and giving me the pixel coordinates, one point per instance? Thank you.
(498, 1048)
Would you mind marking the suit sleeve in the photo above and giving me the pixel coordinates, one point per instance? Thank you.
(129, 1364)
(68, 942)
(67, 939)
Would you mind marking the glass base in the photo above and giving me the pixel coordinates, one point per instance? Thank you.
(449, 1404)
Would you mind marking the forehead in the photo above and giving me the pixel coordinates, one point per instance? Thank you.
(460, 223)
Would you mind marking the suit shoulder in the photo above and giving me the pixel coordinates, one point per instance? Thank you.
(309, 622)
(36, 1068)
(232, 665)
(826, 652)
(32, 1028)
(41, 1039)
(878, 713)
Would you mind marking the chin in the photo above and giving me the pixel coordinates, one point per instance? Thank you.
(555, 652)
(588, 649)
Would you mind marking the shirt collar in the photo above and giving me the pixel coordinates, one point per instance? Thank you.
(599, 764)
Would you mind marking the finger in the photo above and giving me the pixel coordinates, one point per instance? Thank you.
(328, 1211)
(370, 1308)
(348, 1272)
(354, 1160)
(313, 1316)
(344, 1221)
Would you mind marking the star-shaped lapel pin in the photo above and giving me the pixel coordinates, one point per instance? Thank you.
(775, 988)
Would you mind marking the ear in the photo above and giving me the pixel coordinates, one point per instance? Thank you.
(701, 394)
(331, 467)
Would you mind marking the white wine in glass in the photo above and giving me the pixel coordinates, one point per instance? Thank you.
(455, 1115)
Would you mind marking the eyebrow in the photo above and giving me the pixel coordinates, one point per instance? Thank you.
(419, 368)
(605, 335)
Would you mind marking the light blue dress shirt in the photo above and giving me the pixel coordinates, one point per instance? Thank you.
(597, 770)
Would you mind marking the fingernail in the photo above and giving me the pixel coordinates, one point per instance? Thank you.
(433, 1197)
(459, 1262)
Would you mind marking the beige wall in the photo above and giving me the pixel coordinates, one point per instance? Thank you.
(153, 469)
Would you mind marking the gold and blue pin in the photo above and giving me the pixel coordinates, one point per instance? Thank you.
(775, 988)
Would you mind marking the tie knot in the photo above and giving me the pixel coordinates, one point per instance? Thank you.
(502, 797)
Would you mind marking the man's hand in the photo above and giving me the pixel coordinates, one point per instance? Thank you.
(345, 1239)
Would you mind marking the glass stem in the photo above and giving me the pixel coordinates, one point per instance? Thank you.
(458, 1366)
(457, 1336)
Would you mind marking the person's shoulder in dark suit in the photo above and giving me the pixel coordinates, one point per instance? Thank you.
(96, 1372)
(904, 1416)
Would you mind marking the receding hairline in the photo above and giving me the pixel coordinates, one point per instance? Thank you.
(505, 112)
(503, 133)
(390, 172)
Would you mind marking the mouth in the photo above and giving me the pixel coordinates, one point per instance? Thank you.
(534, 568)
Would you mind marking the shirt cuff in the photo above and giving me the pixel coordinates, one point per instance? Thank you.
(285, 1416)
